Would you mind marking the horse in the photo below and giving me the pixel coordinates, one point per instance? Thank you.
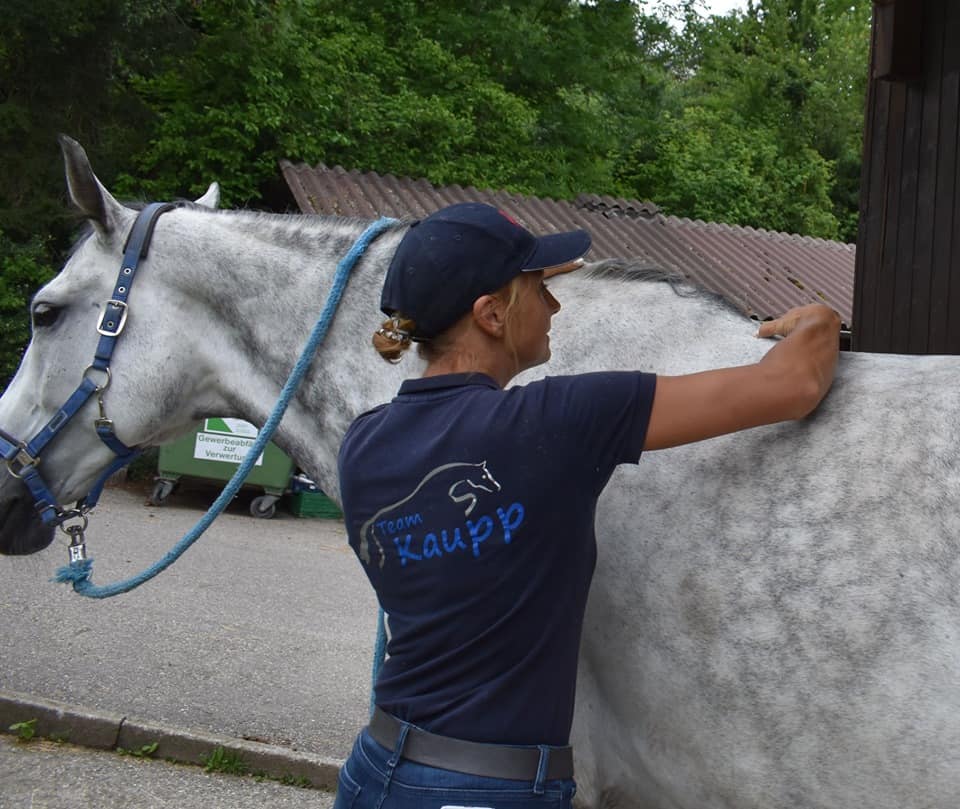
(773, 620)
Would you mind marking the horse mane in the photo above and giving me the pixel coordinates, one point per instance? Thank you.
(292, 221)
(84, 228)
(634, 270)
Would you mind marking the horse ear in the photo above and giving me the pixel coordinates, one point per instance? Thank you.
(211, 199)
(86, 191)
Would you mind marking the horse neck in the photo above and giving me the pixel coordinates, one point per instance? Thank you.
(279, 271)
(619, 321)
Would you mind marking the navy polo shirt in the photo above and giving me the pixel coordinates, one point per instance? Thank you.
(472, 510)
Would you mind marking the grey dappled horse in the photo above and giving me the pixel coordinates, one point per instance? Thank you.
(774, 620)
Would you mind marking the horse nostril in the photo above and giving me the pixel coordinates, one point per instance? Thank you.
(21, 530)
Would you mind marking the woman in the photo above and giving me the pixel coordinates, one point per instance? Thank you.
(471, 506)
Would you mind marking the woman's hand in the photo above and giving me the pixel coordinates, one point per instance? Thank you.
(788, 383)
(814, 314)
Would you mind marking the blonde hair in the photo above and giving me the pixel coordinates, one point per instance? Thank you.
(509, 316)
(394, 336)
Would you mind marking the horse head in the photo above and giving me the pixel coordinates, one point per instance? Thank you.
(65, 315)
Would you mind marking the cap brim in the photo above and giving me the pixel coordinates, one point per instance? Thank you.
(560, 269)
(557, 249)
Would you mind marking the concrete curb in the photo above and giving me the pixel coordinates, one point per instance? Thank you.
(110, 731)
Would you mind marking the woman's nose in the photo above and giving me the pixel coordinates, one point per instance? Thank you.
(553, 303)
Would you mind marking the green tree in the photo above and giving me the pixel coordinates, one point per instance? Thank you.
(713, 165)
(23, 266)
(537, 98)
(62, 68)
(789, 77)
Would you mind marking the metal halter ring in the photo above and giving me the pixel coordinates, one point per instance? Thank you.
(25, 461)
(74, 529)
(106, 383)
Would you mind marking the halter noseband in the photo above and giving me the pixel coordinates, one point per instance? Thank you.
(23, 458)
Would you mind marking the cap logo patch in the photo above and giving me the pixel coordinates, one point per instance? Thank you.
(509, 218)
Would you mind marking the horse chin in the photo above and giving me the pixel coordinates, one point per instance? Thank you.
(22, 532)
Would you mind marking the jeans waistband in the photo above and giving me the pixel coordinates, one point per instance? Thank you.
(473, 758)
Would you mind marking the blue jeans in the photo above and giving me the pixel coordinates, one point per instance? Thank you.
(377, 778)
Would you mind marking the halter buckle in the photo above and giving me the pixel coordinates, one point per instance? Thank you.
(25, 460)
(112, 328)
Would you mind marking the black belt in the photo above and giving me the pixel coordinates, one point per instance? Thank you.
(472, 758)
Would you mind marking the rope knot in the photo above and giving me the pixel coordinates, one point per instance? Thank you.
(76, 573)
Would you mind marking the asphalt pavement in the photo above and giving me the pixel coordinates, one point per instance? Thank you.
(48, 775)
(257, 642)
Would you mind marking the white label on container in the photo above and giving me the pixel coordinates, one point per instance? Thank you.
(226, 448)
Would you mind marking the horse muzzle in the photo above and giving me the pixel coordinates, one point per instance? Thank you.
(22, 532)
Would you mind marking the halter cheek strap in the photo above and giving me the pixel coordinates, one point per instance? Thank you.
(23, 458)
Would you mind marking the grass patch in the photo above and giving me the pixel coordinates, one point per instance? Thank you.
(300, 781)
(25, 730)
(225, 761)
(288, 780)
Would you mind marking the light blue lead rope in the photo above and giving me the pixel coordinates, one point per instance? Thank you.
(78, 573)
(379, 652)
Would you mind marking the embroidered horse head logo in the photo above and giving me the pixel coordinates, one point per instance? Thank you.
(467, 480)
(483, 482)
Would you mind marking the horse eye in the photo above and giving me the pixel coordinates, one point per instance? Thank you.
(45, 315)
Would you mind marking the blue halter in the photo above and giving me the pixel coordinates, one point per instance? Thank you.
(23, 458)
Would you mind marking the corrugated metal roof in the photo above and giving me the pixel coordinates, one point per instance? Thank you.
(762, 272)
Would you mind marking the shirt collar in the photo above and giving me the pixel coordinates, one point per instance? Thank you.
(444, 381)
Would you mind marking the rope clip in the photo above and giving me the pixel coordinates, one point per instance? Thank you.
(77, 549)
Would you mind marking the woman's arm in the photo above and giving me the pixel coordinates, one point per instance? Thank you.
(788, 383)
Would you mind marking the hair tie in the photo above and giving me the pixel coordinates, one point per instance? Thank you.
(394, 332)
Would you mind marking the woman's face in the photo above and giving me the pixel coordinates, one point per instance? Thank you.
(528, 323)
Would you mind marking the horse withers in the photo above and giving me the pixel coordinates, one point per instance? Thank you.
(774, 616)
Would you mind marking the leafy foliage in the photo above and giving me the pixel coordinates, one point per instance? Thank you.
(23, 267)
(766, 129)
(25, 730)
(226, 761)
(712, 165)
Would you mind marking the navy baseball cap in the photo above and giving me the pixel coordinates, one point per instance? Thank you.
(448, 260)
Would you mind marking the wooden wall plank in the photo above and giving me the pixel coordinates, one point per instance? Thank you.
(907, 286)
(943, 288)
(898, 50)
(871, 211)
(889, 231)
(920, 261)
(906, 185)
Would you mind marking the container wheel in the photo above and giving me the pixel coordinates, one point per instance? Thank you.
(161, 491)
(264, 506)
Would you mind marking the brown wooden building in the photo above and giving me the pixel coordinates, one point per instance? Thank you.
(907, 281)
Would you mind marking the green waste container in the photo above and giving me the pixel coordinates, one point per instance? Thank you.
(214, 451)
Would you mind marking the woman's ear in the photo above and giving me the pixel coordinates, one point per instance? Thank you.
(488, 314)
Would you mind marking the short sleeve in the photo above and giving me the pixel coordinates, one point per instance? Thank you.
(599, 420)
